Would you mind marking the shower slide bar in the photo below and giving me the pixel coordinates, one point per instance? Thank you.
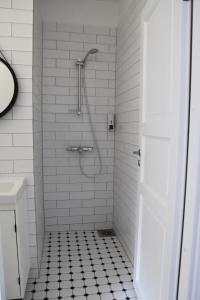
(79, 149)
(80, 65)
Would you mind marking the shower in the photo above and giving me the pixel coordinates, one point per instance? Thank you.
(91, 51)
(81, 63)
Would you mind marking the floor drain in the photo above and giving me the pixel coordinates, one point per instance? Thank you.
(106, 232)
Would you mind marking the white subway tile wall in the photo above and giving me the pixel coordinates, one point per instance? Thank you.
(126, 134)
(16, 130)
(73, 201)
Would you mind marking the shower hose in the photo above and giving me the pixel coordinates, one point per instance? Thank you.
(96, 146)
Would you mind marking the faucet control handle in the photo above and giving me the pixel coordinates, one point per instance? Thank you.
(87, 149)
(80, 149)
(72, 148)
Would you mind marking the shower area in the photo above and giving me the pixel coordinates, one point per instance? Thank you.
(86, 130)
(85, 75)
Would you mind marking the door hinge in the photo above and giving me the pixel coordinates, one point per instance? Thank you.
(15, 227)
(19, 281)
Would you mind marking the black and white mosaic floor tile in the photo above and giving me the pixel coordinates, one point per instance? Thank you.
(82, 266)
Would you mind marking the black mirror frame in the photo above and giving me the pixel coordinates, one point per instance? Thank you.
(14, 98)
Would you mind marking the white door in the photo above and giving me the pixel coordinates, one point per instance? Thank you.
(161, 187)
(10, 259)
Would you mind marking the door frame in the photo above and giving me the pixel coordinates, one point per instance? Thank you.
(2, 283)
(183, 143)
(190, 259)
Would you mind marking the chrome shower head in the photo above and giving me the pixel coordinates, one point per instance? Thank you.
(91, 51)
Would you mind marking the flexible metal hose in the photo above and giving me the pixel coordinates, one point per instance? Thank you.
(93, 134)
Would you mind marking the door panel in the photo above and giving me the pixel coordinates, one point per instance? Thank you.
(153, 234)
(10, 259)
(156, 48)
(160, 131)
(153, 163)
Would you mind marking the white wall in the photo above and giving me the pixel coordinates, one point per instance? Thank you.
(16, 130)
(127, 120)
(123, 7)
(72, 201)
(92, 12)
(16, 127)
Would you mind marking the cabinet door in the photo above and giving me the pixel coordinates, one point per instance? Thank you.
(10, 256)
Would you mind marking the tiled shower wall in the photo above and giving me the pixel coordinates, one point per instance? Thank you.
(72, 201)
(127, 116)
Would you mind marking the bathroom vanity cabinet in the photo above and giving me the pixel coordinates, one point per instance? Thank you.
(14, 232)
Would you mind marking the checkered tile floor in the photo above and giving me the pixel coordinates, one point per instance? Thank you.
(82, 266)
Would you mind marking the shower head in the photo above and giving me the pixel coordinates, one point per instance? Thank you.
(91, 51)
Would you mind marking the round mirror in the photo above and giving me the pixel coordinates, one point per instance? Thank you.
(8, 87)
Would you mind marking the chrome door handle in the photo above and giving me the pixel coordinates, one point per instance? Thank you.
(138, 152)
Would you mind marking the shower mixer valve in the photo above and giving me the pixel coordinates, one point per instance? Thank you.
(79, 149)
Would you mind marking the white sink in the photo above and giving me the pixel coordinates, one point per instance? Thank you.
(10, 188)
